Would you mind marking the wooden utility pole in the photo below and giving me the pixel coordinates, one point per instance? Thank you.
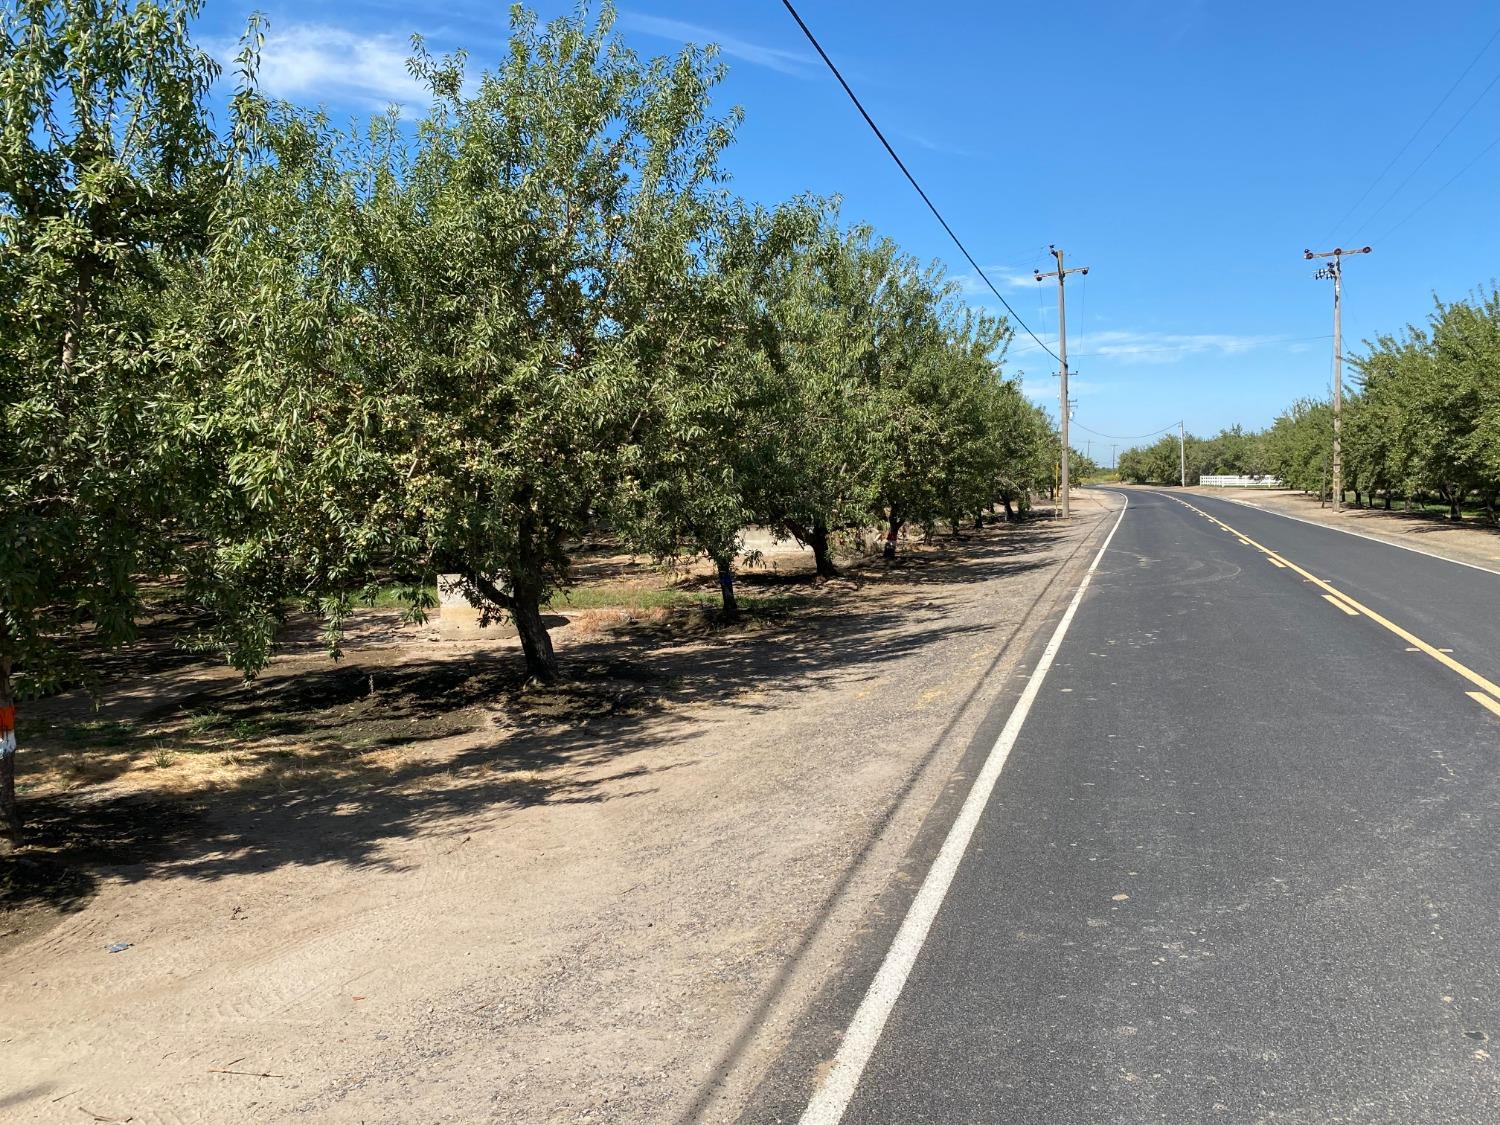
(1335, 272)
(1061, 273)
(1182, 452)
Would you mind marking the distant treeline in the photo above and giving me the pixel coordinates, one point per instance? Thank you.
(1421, 423)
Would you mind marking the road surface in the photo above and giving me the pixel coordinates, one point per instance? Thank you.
(1240, 864)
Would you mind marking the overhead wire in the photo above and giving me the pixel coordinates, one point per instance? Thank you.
(1448, 183)
(1041, 304)
(1125, 437)
(1083, 312)
(870, 121)
(1412, 139)
(1422, 163)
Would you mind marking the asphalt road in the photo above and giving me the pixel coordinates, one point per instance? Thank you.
(1241, 864)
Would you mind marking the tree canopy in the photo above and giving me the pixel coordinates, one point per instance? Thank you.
(290, 362)
(108, 171)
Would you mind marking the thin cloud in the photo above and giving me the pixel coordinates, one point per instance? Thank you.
(970, 284)
(323, 63)
(1155, 347)
(1039, 387)
(923, 141)
(779, 59)
(1165, 347)
(1043, 388)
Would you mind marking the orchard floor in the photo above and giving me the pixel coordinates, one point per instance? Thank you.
(411, 886)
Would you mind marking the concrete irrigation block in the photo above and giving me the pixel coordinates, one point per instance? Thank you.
(457, 617)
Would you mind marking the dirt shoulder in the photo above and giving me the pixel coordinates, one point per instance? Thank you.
(415, 888)
(1467, 541)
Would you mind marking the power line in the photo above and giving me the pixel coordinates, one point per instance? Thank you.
(870, 121)
(1083, 316)
(1125, 437)
(1412, 213)
(1422, 163)
(1411, 139)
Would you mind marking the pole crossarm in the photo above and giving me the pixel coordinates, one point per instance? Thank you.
(1336, 252)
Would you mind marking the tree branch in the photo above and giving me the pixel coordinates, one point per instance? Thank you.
(488, 589)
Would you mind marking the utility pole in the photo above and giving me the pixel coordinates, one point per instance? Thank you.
(1335, 272)
(1061, 273)
(1182, 452)
(1113, 450)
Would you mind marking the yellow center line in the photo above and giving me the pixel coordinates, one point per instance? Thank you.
(1416, 642)
(1484, 701)
(1343, 605)
(1276, 562)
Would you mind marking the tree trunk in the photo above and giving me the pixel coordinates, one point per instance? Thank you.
(817, 539)
(891, 535)
(10, 815)
(536, 645)
(78, 310)
(1357, 502)
(1387, 499)
(726, 588)
(978, 521)
(1010, 515)
(524, 604)
(1455, 500)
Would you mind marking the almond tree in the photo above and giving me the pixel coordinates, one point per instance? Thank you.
(445, 336)
(812, 301)
(908, 371)
(700, 437)
(107, 170)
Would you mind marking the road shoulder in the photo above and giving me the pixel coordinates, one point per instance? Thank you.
(1468, 543)
(794, 1049)
(615, 919)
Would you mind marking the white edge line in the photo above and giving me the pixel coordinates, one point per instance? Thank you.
(1346, 531)
(832, 1097)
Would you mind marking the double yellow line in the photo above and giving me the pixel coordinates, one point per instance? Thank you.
(1489, 694)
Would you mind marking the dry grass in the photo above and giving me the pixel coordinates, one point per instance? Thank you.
(588, 624)
(201, 752)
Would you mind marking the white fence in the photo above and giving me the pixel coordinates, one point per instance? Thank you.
(1240, 482)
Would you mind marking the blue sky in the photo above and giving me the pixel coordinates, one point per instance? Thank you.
(1187, 151)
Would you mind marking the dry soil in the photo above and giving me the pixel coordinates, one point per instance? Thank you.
(411, 887)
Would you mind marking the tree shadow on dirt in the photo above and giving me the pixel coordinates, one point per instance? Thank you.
(1421, 522)
(1432, 523)
(341, 760)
